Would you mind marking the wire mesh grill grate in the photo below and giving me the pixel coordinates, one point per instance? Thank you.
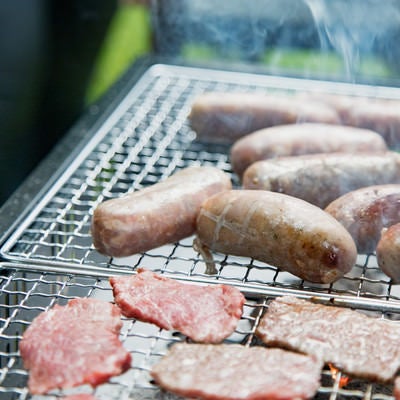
(26, 294)
(145, 139)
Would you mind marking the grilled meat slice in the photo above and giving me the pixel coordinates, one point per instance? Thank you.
(353, 342)
(232, 371)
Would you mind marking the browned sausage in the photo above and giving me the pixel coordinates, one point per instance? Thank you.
(388, 252)
(381, 116)
(305, 138)
(322, 178)
(225, 117)
(163, 213)
(378, 114)
(280, 230)
(366, 211)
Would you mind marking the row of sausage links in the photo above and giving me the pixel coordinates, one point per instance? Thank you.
(320, 163)
(281, 230)
(226, 117)
(276, 228)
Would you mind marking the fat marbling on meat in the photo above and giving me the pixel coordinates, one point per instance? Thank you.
(74, 344)
(233, 371)
(353, 342)
(204, 313)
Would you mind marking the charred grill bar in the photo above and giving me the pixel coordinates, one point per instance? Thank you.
(140, 138)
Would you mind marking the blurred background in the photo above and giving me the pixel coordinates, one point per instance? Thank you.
(57, 57)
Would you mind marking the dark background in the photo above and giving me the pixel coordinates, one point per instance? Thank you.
(49, 50)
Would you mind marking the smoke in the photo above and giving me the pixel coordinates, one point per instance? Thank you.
(352, 29)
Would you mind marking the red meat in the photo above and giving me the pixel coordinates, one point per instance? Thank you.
(74, 344)
(205, 314)
(83, 396)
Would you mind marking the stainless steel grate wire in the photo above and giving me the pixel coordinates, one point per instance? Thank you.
(49, 258)
(25, 294)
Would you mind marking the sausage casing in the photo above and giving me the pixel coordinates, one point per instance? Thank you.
(305, 138)
(322, 178)
(366, 211)
(162, 213)
(381, 115)
(225, 117)
(388, 252)
(280, 230)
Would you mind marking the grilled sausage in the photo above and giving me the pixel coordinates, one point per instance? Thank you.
(366, 211)
(306, 138)
(225, 117)
(382, 116)
(280, 230)
(378, 114)
(322, 178)
(163, 213)
(388, 252)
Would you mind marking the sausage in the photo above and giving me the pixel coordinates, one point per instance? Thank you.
(322, 178)
(277, 229)
(366, 211)
(305, 138)
(342, 103)
(162, 213)
(388, 252)
(225, 117)
(381, 115)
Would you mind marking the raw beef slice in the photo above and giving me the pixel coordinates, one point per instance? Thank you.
(205, 314)
(74, 344)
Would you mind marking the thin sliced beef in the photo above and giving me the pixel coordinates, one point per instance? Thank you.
(206, 314)
(74, 344)
(83, 396)
(353, 342)
(231, 371)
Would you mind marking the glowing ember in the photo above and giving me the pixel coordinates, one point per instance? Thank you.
(343, 379)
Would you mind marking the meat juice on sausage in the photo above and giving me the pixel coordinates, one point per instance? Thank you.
(162, 213)
(322, 178)
(299, 139)
(278, 229)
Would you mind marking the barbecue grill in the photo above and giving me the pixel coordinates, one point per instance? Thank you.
(136, 136)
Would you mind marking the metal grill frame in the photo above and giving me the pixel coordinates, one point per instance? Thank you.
(25, 294)
(49, 236)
